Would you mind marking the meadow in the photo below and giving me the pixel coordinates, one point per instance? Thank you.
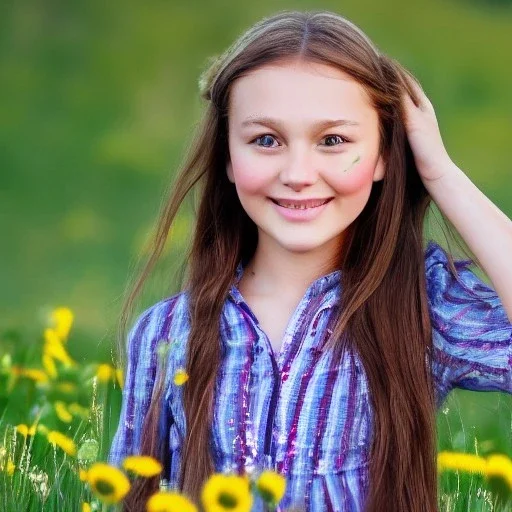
(99, 102)
(59, 417)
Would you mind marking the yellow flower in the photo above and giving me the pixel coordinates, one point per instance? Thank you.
(105, 372)
(86, 507)
(63, 320)
(120, 377)
(226, 492)
(271, 486)
(180, 377)
(10, 467)
(6, 463)
(142, 465)
(25, 431)
(82, 474)
(54, 348)
(461, 461)
(35, 374)
(66, 387)
(31, 373)
(107, 482)
(65, 443)
(169, 502)
(499, 465)
(49, 366)
(62, 413)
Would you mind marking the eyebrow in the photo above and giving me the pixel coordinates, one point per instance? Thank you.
(325, 123)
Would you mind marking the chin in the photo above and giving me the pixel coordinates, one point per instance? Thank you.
(300, 246)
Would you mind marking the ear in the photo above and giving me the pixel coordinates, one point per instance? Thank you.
(380, 168)
(229, 170)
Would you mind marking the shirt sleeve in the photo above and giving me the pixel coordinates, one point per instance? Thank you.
(142, 344)
(472, 335)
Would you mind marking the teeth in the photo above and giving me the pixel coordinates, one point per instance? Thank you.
(299, 207)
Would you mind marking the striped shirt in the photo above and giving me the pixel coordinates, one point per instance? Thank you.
(300, 412)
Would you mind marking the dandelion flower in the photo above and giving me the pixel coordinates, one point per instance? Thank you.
(107, 482)
(169, 502)
(66, 387)
(180, 377)
(10, 467)
(86, 507)
(104, 372)
(82, 474)
(501, 466)
(49, 366)
(63, 320)
(63, 442)
(461, 461)
(54, 348)
(25, 431)
(62, 413)
(271, 486)
(226, 492)
(7, 466)
(142, 465)
(32, 373)
(51, 337)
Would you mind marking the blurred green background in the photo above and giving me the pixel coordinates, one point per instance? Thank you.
(99, 100)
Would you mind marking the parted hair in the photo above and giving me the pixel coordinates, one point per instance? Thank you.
(383, 313)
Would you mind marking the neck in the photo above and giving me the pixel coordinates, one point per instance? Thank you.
(276, 271)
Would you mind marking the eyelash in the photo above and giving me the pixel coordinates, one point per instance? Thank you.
(344, 139)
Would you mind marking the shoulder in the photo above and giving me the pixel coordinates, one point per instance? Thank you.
(440, 280)
(436, 259)
(459, 300)
(160, 321)
(471, 331)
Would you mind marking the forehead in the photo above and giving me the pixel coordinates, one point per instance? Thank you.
(299, 90)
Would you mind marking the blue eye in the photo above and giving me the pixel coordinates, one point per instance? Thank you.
(333, 136)
(268, 136)
(262, 137)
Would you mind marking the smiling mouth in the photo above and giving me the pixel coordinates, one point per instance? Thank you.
(304, 205)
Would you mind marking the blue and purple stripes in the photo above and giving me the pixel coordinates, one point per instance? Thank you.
(472, 334)
(300, 412)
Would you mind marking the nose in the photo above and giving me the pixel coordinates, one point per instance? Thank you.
(298, 170)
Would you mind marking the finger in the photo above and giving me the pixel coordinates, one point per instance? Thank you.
(424, 102)
(415, 92)
(410, 102)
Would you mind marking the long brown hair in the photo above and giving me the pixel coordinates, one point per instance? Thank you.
(384, 312)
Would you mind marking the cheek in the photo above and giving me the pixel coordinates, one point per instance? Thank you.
(354, 179)
(250, 176)
(354, 187)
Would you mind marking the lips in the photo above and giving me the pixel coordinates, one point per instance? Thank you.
(301, 204)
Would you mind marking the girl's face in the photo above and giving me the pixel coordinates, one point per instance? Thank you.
(302, 133)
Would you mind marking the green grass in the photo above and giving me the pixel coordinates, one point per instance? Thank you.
(46, 478)
(98, 103)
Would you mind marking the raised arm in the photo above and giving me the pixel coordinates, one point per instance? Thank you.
(484, 227)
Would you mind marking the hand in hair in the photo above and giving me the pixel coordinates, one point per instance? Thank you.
(430, 155)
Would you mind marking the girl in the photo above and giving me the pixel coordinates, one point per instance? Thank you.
(318, 332)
